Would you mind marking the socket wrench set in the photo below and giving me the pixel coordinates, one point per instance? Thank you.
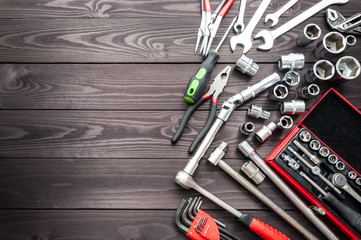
(320, 158)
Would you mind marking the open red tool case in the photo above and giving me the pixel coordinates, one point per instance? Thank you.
(336, 124)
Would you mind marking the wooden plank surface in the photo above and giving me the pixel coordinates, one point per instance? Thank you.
(91, 93)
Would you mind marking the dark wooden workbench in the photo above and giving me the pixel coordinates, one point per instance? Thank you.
(90, 96)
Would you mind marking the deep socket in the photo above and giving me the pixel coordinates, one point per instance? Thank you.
(246, 128)
(322, 70)
(309, 91)
(297, 107)
(308, 34)
(332, 44)
(291, 78)
(278, 93)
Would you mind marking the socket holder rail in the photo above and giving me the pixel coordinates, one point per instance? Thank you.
(328, 165)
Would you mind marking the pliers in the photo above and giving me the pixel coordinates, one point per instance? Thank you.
(207, 18)
(215, 90)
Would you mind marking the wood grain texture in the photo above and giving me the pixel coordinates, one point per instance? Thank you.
(70, 9)
(120, 224)
(116, 87)
(157, 40)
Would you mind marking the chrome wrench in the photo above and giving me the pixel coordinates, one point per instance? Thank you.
(240, 24)
(245, 38)
(275, 16)
(269, 36)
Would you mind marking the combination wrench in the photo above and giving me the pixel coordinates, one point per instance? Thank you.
(275, 16)
(240, 24)
(245, 38)
(270, 36)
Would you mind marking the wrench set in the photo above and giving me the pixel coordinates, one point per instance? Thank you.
(318, 159)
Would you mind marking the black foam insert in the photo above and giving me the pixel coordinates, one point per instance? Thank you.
(338, 125)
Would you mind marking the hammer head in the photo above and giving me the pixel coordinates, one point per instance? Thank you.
(241, 40)
(272, 17)
(267, 38)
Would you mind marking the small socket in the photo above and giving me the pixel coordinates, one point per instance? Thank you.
(305, 136)
(246, 128)
(291, 61)
(324, 152)
(350, 40)
(315, 145)
(258, 112)
(297, 107)
(332, 159)
(291, 78)
(278, 93)
(253, 172)
(358, 181)
(352, 175)
(340, 165)
(309, 91)
(265, 132)
(247, 66)
(285, 122)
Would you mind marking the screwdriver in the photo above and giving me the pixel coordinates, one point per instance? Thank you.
(198, 83)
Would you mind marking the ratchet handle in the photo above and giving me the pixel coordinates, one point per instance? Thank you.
(198, 83)
(225, 8)
(349, 215)
(207, 6)
(262, 229)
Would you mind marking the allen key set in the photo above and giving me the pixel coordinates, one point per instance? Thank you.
(318, 156)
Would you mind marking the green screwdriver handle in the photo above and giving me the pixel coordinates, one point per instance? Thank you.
(198, 83)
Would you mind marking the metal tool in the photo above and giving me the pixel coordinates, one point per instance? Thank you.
(245, 38)
(247, 66)
(262, 229)
(332, 159)
(293, 107)
(358, 181)
(322, 70)
(350, 40)
(253, 172)
(291, 61)
(202, 27)
(308, 34)
(215, 90)
(305, 136)
(213, 26)
(290, 161)
(239, 24)
(352, 175)
(315, 170)
(284, 122)
(291, 78)
(218, 8)
(248, 151)
(257, 112)
(332, 44)
(315, 145)
(350, 25)
(278, 93)
(269, 36)
(340, 181)
(349, 215)
(347, 68)
(312, 157)
(309, 91)
(216, 159)
(265, 132)
(273, 17)
(247, 128)
(339, 165)
(324, 152)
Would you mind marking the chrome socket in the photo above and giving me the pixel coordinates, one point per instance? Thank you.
(358, 181)
(309, 91)
(278, 93)
(332, 44)
(322, 70)
(257, 112)
(291, 61)
(324, 152)
(315, 145)
(293, 107)
(352, 175)
(340, 165)
(308, 34)
(347, 68)
(253, 172)
(305, 136)
(291, 78)
(332, 159)
(246, 128)
(285, 122)
(265, 132)
(350, 40)
(247, 66)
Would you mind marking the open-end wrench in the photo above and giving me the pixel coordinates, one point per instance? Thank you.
(275, 16)
(240, 24)
(269, 36)
(245, 38)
